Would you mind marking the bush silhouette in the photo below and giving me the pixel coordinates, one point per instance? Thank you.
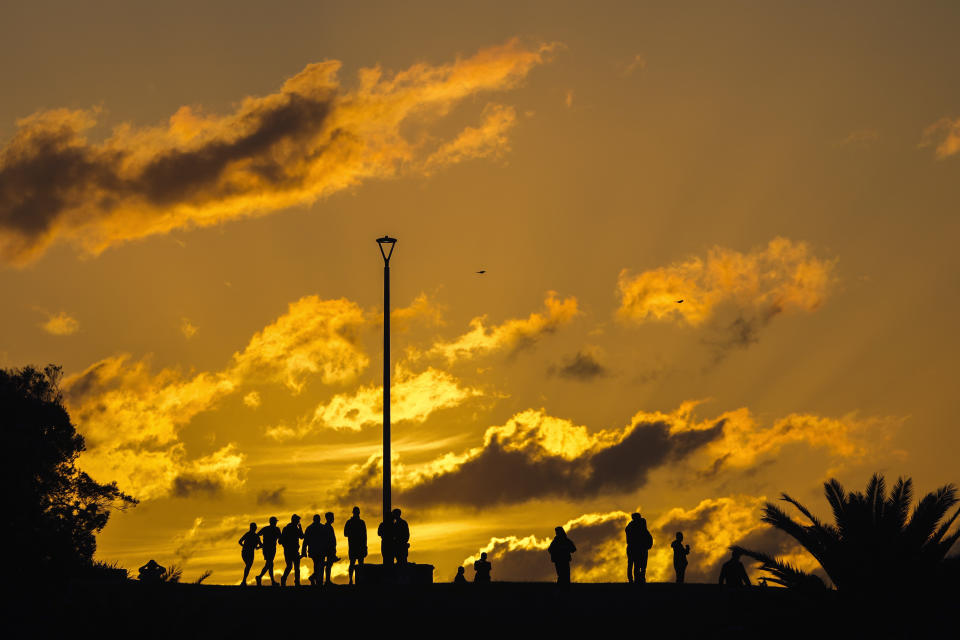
(875, 543)
(55, 509)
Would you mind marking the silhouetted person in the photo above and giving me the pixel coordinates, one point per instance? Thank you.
(680, 553)
(269, 537)
(313, 548)
(639, 542)
(561, 551)
(482, 568)
(249, 543)
(386, 542)
(401, 537)
(151, 572)
(460, 578)
(290, 539)
(355, 531)
(328, 547)
(732, 572)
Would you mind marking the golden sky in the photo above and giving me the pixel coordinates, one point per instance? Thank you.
(190, 193)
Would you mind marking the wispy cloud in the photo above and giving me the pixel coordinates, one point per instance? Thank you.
(187, 328)
(637, 63)
(734, 293)
(583, 366)
(308, 140)
(513, 335)
(61, 324)
(944, 134)
(414, 397)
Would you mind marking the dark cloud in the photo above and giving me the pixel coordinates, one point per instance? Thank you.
(512, 468)
(271, 496)
(290, 147)
(582, 366)
(185, 486)
(740, 332)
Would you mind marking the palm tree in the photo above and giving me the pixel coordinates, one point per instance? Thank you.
(873, 544)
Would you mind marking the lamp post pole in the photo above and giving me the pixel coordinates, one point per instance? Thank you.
(386, 244)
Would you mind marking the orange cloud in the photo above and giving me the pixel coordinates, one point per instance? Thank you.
(535, 455)
(513, 335)
(314, 337)
(308, 140)
(947, 130)
(414, 397)
(488, 140)
(61, 324)
(132, 417)
(781, 277)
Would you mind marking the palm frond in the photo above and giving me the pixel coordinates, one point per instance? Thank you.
(837, 498)
(898, 504)
(942, 531)
(876, 496)
(931, 509)
(784, 573)
(802, 509)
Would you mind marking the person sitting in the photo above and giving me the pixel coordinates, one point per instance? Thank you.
(732, 573)
(151, 572)
(460, 578)
(482, 568)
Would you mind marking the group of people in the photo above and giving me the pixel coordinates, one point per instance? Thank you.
(639, 543)
(319, 543)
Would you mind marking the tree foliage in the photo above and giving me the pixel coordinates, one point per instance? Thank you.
(875, 542)
(56, 509)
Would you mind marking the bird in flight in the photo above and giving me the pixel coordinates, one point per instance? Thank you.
(680, 300)
(482, 271)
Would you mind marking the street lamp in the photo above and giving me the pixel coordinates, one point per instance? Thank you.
(386, 244)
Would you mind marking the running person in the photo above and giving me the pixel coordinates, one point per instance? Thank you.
(249, 543)
(269, 537)
(290, 539)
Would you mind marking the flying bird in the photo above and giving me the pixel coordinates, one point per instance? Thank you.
(680, 300)
(482, 271)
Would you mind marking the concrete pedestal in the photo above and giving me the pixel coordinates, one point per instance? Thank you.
(409, 573)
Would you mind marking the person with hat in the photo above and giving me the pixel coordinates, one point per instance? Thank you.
(290, 539)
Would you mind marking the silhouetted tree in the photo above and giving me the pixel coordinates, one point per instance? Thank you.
(54, 509)
(875, 543)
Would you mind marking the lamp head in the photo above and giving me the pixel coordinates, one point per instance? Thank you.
(383, 243)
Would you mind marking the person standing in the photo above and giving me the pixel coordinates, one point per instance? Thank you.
(269, 537)
(355, 531)
(290, 539)
(249, 543)
(680, 553)
(482, 568)
(401, 537)
(313, 548)
(639, 542)
(328, 548)
(561, 551)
